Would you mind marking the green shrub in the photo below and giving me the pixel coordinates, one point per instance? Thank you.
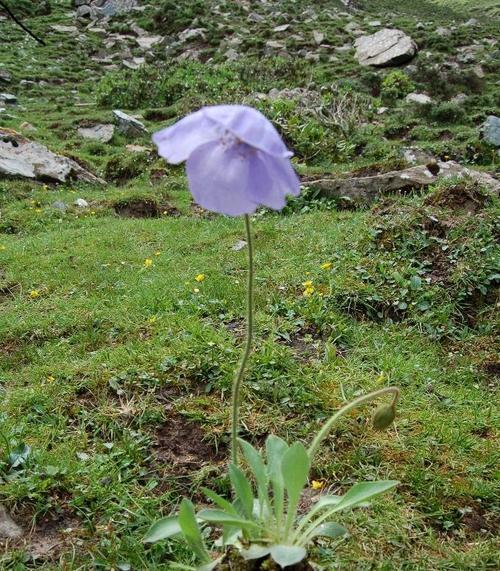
(448, 112)
(396, 85)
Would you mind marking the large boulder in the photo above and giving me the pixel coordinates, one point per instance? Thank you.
(491, 130)
(20, 157)
(127, 124)
(385, 48)
(362, 190)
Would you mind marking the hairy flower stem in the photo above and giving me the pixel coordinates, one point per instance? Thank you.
(323, 433)
(238, 380)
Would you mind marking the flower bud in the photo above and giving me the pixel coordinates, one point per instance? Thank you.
(384, 416)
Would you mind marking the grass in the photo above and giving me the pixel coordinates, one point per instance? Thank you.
(115, 377)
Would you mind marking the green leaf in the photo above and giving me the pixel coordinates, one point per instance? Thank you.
(191, 530)
(209, 566)
(243, 490)
(219, 516)
(331, 529)
(255, 552)
(275, 449)
(254, 459)
(286, 555)
(415, 282)
(220, 501)
(326, 502)
(363, 491)
(295, 470)
(163, 529)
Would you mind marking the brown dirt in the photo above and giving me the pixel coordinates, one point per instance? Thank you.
(467, 198)
(8, 291)
(181, 443)
(48, 538)
(234, 562)
(144, 208)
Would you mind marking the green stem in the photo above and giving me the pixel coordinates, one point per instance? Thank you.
(238, 380)
(323, 433)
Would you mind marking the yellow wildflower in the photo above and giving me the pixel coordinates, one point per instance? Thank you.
(51, 379)
(157, 253)
(316, 485)
(308, 291)
(200, 277)
(2, 247)
(34, 293)
(307, 283)
(152, 319)
(148, 263)
(196, 290)
(326, 266)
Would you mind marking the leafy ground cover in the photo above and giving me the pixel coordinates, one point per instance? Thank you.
(121, 323)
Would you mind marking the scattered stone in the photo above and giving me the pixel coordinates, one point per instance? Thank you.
(60, 205)
(375, 23)
(191, 34)
(491, 130)
(240, 244)
(147, 42)
(459, 99)
(127, 124)
(365, 189)
(65, 29)
(418, 98)
(5, 76)
(281, 28)
(382, 110)
(81, 203)
(103, 133)
(27, 127)
(417, 157)
(8, 98)
(254, 17)
(20, 157)
(443, 32)
(471, 22)
(318, 36)
(8, 527)
(385, 48)
(137, 149)
(84, 12)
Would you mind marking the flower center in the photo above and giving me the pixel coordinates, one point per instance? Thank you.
(230, 142)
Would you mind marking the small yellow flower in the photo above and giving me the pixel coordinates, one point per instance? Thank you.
(316, 485)
(196, 290)
(152, 319)
(326, 266)
(51, 379)
(200, 277)
(34, 293)
(308, 291)
(38, 210)
(148, 263)
(157, 253)
(307, 283)
(2, 247)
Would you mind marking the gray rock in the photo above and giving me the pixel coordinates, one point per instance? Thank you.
(81, 203)
(84, 12)
(443, 32)
(385, 48)
(20, 157)
(112, 8)
(128, 125)
(8, 98)
(375, 23)
(471, 22)
(5, 76)
(147, 42)
(418, 98)
(491, 130)
(25, 126)
(60, 205)
(281, 28)
(364, 190)
(254, 17)
(8, 527)
(318, 36)
(65, 29)
(459, 99)
(191, 34)
(103, 133)
(240, 244)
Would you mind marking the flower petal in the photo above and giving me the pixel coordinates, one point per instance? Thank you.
(177, 142)
(271, 179)
(218, 178)
(250, 126)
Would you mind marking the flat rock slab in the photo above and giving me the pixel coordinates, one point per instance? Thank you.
(20, 157)
(364, 190)
(385, 48)
(102, 133)
(8, 527)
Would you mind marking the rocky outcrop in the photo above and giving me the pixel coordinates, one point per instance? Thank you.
(362, 190)
(20, 157)
(127, 124)
(103, 133)
(385, 48)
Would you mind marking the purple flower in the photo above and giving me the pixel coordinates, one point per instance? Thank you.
(236, 160)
